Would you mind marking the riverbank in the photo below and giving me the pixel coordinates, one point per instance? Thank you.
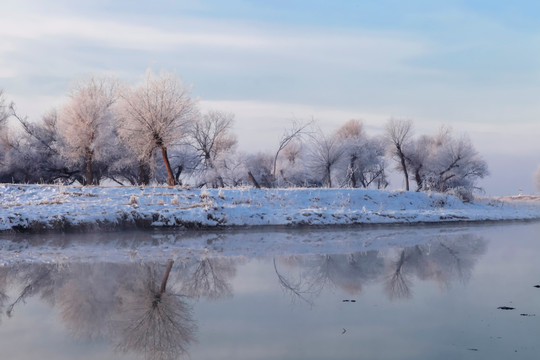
(39, 208)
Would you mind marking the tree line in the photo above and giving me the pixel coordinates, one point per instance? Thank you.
(155, 133)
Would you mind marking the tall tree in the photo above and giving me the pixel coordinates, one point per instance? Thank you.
(86, 123)
(155, 115)
(398, 134)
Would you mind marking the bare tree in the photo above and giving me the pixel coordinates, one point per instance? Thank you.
(325, 153)
(297, 130)
(86, 123)
(155, 115)
(398, 133)
(211, 139)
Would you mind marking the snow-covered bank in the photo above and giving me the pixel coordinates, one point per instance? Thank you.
(40, 208)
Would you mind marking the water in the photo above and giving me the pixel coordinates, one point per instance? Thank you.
(274, 294)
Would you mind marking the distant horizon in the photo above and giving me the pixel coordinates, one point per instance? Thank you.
(469, 65)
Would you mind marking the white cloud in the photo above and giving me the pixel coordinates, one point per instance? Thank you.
(117, 34)
(346, 47)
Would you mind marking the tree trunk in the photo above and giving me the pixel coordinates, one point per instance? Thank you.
(220, 181)
(144, 173)
(89, 173)
(404, 168)
(179, 170)
(170, 175)
(418, 178)
(252, 178)
(329, 176)
(166, 277)
(352, 175)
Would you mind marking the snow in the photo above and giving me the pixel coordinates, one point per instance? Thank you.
(38, 208)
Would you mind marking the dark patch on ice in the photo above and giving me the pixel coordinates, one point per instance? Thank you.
(505, 308)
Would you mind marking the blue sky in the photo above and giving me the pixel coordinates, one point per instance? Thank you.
(473, 65)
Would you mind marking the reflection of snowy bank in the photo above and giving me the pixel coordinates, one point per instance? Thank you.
(247, 243)
(38, 208)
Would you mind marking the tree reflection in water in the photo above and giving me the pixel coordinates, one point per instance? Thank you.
(397, 285)
(144, 307)
(348, 272)
(154, 321)
(209, 278)
(129, 304)
(441, 261)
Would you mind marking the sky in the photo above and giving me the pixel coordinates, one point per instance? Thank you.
(473, 65)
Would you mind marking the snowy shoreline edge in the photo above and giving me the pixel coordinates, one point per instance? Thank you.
(46, 208)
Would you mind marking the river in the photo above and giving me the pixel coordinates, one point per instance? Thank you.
(450, 292)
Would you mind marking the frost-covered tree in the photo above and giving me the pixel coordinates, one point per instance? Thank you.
(445, 163)
(294, 166)
(417, 158)
(155, 115)
(35, 156)
(325, 154)
(398, 134)
(86, 124)
(259, 168)
(364, 163)
(211, 138)
(458, 164)
(295, 133)
(234, 171)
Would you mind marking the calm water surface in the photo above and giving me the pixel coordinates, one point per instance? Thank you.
(438, 298)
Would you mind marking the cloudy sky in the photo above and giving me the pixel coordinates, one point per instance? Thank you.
(473, 65)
